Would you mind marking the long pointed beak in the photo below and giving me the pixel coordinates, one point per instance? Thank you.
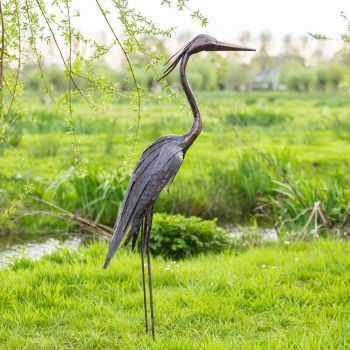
(220, 46)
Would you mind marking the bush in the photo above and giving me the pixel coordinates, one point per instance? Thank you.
(238, 77)
(331, 75)
(297, 77)
(178, 237)
(323, 77)
(56, 79)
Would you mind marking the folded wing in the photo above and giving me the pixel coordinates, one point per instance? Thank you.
(158, 165)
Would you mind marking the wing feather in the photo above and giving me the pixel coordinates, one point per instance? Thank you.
(153, 188)
(159, 164)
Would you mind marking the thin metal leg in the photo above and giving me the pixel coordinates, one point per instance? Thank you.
(148, 227)
(143, 276)
(150, 289)
(145, 250)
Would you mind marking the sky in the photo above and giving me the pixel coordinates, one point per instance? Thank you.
(228, 18)
(279, 17)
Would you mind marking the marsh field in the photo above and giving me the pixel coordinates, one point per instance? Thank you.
(235, 172)
(263, 160)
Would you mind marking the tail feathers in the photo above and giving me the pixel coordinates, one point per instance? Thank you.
(108, 259)
(116, 240)
(113, 246)
(134, 241)
(134, 230)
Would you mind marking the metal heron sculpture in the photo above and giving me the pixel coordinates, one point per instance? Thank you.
(157, 167)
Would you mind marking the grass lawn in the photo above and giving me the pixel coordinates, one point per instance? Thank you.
(294, 296)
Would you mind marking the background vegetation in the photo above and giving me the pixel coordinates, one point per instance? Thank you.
(289, 70)
(67, 137)
(274, 152)
(223, 177)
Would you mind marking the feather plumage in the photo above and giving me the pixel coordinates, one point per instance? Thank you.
(158, 165)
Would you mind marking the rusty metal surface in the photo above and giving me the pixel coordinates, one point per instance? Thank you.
(158, 166)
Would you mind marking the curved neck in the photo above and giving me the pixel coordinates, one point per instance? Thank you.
(197, 118)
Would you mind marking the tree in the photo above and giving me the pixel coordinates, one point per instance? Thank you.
(28, 25)
(331, 75)
(297, 77)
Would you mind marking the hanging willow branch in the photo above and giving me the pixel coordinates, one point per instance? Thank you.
(29, 24)
(77, 155)
(13, 94)
(61, 53)
(2, 56)
(131, 72)
(36, 51)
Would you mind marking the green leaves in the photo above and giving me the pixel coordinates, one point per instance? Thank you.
(318, 36)
(181, 5)
(29, 27)
(35, 23)
(178, 237)
(16, 203)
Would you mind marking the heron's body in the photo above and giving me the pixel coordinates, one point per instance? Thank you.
(158, 166)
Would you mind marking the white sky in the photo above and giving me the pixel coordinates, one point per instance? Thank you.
(228, 18)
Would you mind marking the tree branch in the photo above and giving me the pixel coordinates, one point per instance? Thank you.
(2, 55)
(131, 72)
(60, 51)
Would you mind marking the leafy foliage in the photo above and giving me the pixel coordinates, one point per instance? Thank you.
(177, 237)
(28, 28)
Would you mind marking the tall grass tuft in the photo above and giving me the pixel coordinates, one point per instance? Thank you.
(257, 116)
(96, 195)
(45, 148)
(248, 187)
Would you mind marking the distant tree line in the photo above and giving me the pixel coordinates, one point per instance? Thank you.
(321, 77)
(211, 71)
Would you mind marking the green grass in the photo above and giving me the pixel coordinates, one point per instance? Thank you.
(292, 296)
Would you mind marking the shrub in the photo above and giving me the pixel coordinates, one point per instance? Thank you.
(178, 237)
(297, 77)
(330, 76)
(238, 77)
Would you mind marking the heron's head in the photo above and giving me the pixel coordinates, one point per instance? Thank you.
(200, 43)
(205, 42)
